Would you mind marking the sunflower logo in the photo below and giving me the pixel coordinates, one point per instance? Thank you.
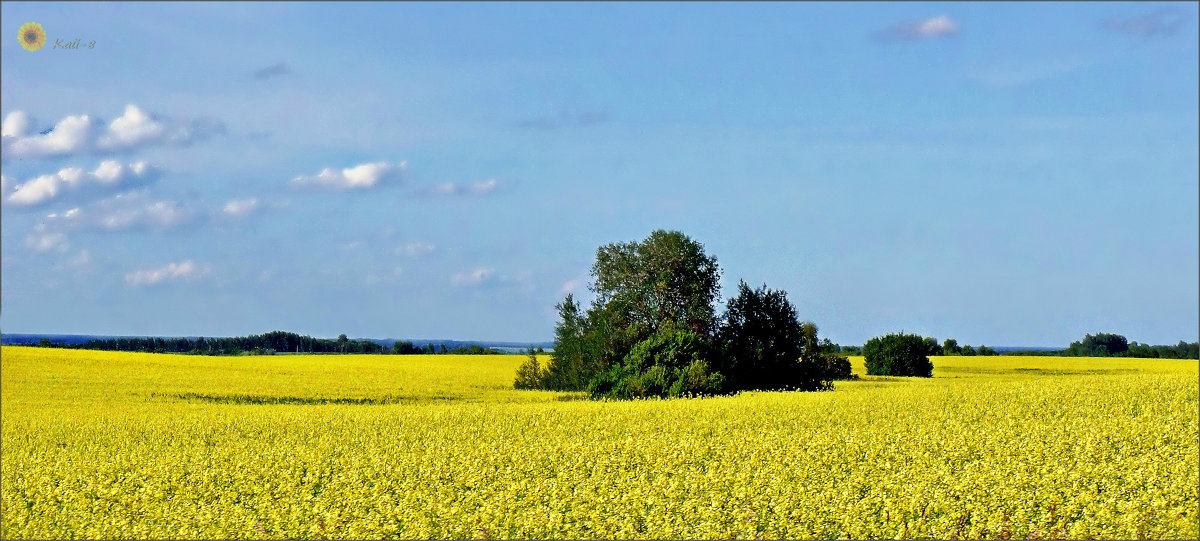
(32, 36)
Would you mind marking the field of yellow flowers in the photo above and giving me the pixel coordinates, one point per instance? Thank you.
(131, 445)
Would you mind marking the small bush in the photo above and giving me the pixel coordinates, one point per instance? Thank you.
(530, 374)
(898, 355)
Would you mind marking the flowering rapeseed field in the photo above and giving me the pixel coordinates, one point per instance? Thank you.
(120, 445)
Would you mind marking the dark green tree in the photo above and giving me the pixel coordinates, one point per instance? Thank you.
(764, 345)
(897, 355)
(950, 347)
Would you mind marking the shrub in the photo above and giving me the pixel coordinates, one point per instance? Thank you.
(835, 367)
(671, 362)
(898, 355)
(530, 374)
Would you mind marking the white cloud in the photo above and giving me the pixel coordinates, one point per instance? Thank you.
(937, 26)
(416, 249)
(109, 176)
(131, 129)
(934, 27)
(477, 277)
(352, 245)
(184, 270)
(367, 175)
(78, 134)
(71, 135)
(240, 208)
(16, 124)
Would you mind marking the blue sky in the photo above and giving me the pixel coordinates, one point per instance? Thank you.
(1006, 174)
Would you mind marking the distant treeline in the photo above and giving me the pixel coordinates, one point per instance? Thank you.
(1115, 345)
(1098, 345)
(265, 344)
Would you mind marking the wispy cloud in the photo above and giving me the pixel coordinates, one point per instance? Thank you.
(390, 276)
(133, 211)
(451, 189)
(474, 278)
(940, 26)
(241, 208)
(41, 240)
(1001, 74)
(83, 134)
(274, 70)
(75, 183)
(364, 176)
(416, 249)
(171, 272)
(1164, 21)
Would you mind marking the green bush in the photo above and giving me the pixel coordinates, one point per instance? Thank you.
(898, 355)
(530, 374)
(671, 362)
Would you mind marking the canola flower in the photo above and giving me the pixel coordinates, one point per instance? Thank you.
(32, 36)
(130, 445)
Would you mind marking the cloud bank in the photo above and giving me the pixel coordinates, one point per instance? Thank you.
(73, 182)
(84, 134)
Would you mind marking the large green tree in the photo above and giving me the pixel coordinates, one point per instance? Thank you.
(666, 277)
(666, 283)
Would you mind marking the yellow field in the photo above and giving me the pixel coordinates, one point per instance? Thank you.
(120, 445)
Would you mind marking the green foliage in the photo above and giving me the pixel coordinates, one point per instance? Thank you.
(651, 331)
(764, 345)
(1100, 345)
(968, 350)
(671, 362)
(666, 277)
(950, 347)
(898, 355)
(931, 346)
(530, 374)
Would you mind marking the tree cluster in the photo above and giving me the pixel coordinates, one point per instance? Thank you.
(1115, 345)
(652, 330)
(950, 347)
